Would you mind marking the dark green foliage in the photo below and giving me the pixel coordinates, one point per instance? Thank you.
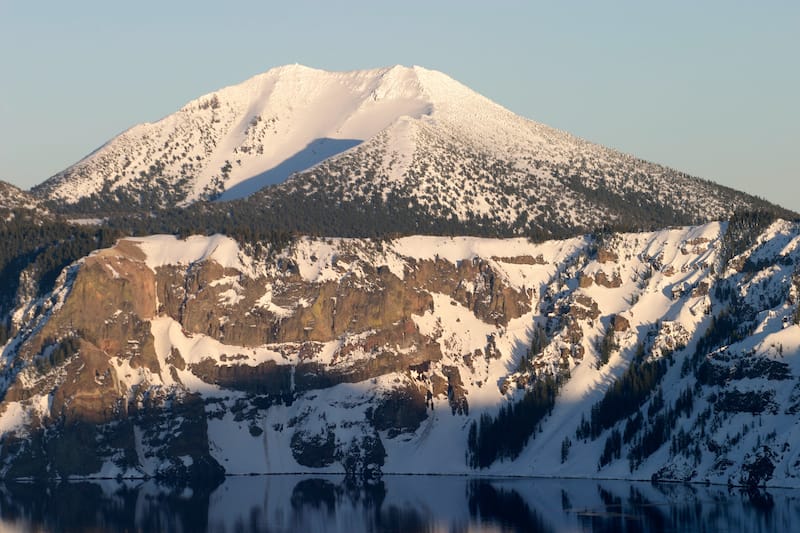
(623, 398)
(584, 430)
(612, 449)
(248, 227)
(314, 450)
(363, 458)
(730, 326)
(63, 350)
(42, 246)
(754, 402)
(472, 437)
(659, 430)
(681, 443)
(566, 444)
(656, 434)
(685, 403)
(632, 427)
(316, 203)
(275, 211)
(656, 404)
(709, 373)
(539, 342)
(606, 347)
(504, 436)
(637, 210)
(744, 227)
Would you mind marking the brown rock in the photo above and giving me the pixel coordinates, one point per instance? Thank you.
(346, 307)
(491, 301)
(701, 289)
(265, 378)
(604, 255)
(456, 393)
(112, 301)
(93, 393)
(109, 301)
(620, 323)
(175, 359)
(521, 260)
(578, 352)
(602, 279)
(438, 385)
(584, 307)
(401, 410)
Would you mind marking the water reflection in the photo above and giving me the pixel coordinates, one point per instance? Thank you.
(279, 504)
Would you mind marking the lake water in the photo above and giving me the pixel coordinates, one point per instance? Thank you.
(279, 504)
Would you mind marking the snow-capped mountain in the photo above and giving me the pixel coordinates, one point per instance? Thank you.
(670, 355)
(233, 142)
(397, 138)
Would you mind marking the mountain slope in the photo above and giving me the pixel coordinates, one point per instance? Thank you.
(406, 140)
(13, 198)
(590, 357)
(246, 136)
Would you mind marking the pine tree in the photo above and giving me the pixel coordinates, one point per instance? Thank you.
(606, 347)
(566, 444)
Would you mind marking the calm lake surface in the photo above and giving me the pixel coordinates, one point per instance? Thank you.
(400, 503)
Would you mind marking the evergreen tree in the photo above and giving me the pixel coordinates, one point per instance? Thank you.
(566, 444)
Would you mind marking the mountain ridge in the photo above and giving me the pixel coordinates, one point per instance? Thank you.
(13, 198)
(409, 138)
(417, 354)
(245, 308)
(292, 83)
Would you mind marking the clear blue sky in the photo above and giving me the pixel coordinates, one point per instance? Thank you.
(709, 87)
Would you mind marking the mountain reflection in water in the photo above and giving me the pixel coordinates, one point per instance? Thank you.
(398, 504)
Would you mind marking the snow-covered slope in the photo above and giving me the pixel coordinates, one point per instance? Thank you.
(670, 354)
(401, 136)
(246, 136)
(12, 197)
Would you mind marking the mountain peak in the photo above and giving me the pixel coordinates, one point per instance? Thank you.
(256, 133)
(392, 82)
(389, 132)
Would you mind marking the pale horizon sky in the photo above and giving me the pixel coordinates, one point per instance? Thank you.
(709, 88)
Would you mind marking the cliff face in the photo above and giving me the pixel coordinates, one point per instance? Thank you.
(126, 342)
(192, 358)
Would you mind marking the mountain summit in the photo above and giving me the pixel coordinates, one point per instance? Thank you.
(404, 140)
(234, 141)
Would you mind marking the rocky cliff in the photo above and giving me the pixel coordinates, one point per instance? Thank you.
(198, 357)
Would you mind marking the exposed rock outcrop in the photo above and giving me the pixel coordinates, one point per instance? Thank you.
(187, 359)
